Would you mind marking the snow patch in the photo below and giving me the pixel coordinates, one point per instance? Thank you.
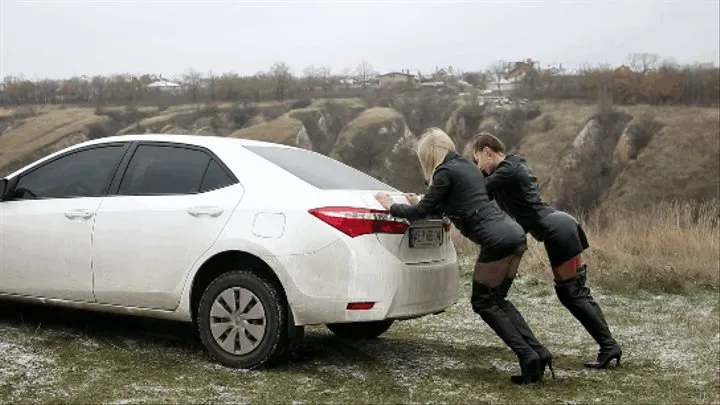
(345, 371)
(24, 370)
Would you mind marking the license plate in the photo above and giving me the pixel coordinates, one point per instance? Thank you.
(426, 237)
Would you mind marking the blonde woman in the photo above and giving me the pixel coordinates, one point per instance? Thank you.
(457, 188)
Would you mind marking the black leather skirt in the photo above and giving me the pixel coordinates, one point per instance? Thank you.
(563, 236)
(497, 234)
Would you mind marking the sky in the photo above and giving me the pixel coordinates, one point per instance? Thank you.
(62, 38)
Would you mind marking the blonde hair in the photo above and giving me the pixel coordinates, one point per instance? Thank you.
(434, 145)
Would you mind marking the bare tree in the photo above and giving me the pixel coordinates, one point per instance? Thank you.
(227, 85)
(280, 72)
(643, 63)
(364, 72)
(310, 74)
(192, 81)
(669, 63)
(98, 88)
(212, 81)
(325, 78)
(586, 67)
(664, 81)
(498, 71)
(347, 75)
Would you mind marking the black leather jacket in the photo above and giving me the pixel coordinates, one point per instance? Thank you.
(458, 191)
(513, 185)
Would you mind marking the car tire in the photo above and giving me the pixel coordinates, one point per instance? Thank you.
(231, 331)
(360, 330)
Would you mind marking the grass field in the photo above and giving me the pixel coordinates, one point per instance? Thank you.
(671, 350)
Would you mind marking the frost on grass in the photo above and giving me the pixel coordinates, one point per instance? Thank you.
(669, 332)
(408, 363)
(349, 371)
(153, 394)
(452, 357)
(90, 343)
(676, 333)
(25, 371)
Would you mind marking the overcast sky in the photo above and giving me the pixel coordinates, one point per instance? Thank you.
(62, 38)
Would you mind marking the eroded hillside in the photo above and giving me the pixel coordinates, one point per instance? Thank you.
(582, 156)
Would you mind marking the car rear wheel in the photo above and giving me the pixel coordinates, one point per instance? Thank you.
(240, 320)
(360, 330)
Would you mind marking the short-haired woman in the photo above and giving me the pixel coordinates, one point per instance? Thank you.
(513, 186)
(457, 188)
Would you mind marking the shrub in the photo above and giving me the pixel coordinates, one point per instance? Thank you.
(96, 131)
(511, 126)
(131, 110)
(210, 109)
(548, 123)
(302, 103)
(241, 113)
(644, 129)
(24, 112)
(531, 111)
(270, 113)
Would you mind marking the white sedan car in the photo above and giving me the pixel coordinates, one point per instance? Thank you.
(249, 240)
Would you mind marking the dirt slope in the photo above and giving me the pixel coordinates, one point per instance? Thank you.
(677, 158)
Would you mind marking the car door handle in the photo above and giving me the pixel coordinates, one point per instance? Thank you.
(205, 210)
(80, 213)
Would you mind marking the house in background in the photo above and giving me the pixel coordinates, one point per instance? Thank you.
(516, 70)
(502, 86)
(444, 75)
(402, 78)
(165, 86)
(506, 82)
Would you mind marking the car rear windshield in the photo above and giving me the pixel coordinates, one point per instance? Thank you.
(319, 170)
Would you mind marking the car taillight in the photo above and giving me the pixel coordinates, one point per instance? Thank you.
(354, 221)
(359, 306)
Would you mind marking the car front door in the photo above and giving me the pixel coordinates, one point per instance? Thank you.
(169, 208)
(46, 223)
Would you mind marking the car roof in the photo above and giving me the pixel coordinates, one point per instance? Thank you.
(214, 143)
(211, 142)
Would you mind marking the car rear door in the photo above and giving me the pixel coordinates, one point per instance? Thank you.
(169, 208)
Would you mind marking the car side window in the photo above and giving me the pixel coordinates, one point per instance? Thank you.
(215, 178)
(86, 173)
(160, 169)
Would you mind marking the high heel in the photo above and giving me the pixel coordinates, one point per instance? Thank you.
(525, 331)
(530, 372)
(484, 304)
(547, 362)
(576, 297)
(605, 356)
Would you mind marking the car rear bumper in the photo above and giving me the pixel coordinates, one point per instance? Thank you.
(323, 283)
(424, 289)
